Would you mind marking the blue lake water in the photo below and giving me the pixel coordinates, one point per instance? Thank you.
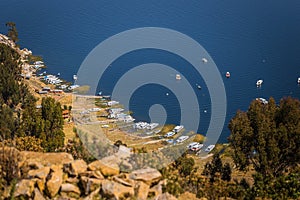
(254, 39)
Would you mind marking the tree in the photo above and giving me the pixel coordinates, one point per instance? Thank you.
(226, 172)
(12, 31)
(52, 135)
(267, 136)
(215, 167)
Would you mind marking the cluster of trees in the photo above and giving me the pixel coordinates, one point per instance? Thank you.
(216, 168)
(267, 138)
(19, 116)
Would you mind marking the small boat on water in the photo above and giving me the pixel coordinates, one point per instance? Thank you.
(198, 86)
(178, 77)
(259, 83)
(74, 77)
(204, 60)
(299, 80)
(227, 74)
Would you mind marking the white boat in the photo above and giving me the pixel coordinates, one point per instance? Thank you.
(178, 77)
(204, 60)
(74, 77)
(182, 138)
(209, 148)
(195, 146)
(192, 144)
(299, 80)
(259, 82)
(72, 87)
(170, 134)
(227, 74)
(178, 128)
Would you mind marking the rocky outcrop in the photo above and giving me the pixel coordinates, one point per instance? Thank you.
(59, 176)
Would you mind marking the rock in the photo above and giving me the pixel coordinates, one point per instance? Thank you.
(90, 184)
(123, 152)
(93, 195)
(72, 180)
(70, 190)
(148, 175)
(24, 188)
(92, 174)
(141, 191)
(76, 167)
(157, 189)
(116, 190)
(54, 182)
(123, 179)
(38, 195)
(108, 166)
(41, 173)
(41, 184)
(166, 196)
(46, 159)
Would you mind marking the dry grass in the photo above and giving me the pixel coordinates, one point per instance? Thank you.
(68, 130)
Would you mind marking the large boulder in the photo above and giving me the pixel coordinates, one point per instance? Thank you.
(108, 166)
(24, 188)
(76, 167)
(46, 159)
(70, 190)
(41, 173)
(54, 182)
(116, 190)
(148, 175)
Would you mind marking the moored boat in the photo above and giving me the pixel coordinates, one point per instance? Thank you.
(227, 74)
(259, 83)
(204, 60)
